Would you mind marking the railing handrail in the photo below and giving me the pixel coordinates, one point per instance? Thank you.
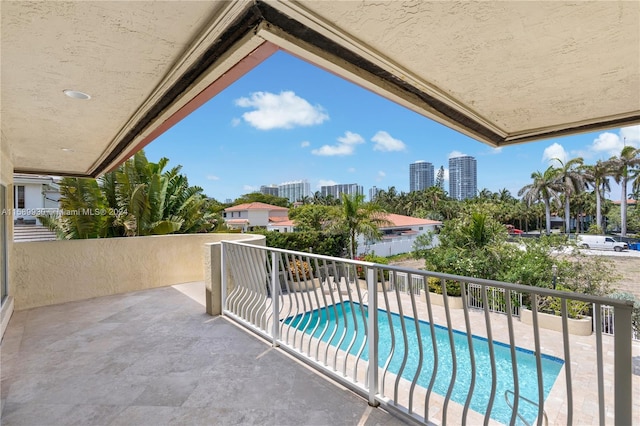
(541, 291)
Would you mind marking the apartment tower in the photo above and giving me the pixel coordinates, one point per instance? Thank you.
(295, 190)
(420, 176)
(463, 177)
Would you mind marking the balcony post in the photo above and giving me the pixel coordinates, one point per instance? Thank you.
(622, 365)
(275, 297)
(223, 277)
(213, 286)
(372, 328)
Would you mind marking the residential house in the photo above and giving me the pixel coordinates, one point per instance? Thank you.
(399, 235)
(281, 224)
(251, 216)
(34, 195)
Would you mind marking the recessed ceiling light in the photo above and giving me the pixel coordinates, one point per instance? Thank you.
(76, 94)
(66, 149)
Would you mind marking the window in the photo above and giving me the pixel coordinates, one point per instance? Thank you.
(20, 197)
(3, 245)
(420, 228)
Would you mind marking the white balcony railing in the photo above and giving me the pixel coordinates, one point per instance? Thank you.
(608, 322)
(433, 363)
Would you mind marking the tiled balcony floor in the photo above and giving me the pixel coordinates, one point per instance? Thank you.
(155, 357)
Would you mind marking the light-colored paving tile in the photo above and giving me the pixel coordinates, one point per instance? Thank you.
(154, 357)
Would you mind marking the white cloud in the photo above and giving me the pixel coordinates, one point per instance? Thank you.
(454, 154)
(383, 141)
(381, 175)
(611, 144)
(280, 111)
(250, 188)
(235, 122)
(305, 144)
(553, 153)
(446, 174)
(351, 169)
(497, 150)
(631, 134)
(346, 145)
(212, 177)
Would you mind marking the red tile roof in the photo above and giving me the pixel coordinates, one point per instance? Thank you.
(630, 201)
(237, 221)
(278, 219)
(278, 222)
(398, 220)
(254, 206)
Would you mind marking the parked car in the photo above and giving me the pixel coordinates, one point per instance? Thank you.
(600, 242)
(514, 231)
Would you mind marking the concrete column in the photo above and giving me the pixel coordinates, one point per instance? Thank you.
(212, 278)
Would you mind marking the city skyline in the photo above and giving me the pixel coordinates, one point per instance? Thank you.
(287, 120)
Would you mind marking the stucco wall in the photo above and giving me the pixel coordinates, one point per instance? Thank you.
(51, 272)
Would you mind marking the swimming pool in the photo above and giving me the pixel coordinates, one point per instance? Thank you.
(342, 317)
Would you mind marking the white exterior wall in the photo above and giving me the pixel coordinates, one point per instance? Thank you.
(36, 194)
(33, 201)
(258, 217)
(280, 228)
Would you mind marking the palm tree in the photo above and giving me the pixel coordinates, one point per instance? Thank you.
(142, 192)
(485, 195)
(136, 199)
(572, 182)
(545, 187)
(360, 218)
(597, 175)
(81, 202)
(622, 169)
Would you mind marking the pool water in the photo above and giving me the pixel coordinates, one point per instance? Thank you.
(340, 318)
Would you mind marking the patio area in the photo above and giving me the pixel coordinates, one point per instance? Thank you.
(155, 357)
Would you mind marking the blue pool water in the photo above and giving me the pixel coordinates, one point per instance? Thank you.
(342, 317)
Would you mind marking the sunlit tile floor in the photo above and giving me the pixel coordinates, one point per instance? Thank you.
(155, 357)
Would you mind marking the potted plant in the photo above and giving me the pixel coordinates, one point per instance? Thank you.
(299, 275)
(454, 298)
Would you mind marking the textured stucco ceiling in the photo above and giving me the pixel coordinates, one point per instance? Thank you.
(501, 72)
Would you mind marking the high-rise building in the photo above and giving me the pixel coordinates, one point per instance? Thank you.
(463, 177)
(373, 193)
(269, 190)
(295, 190)
(336, 191)
(420, 175)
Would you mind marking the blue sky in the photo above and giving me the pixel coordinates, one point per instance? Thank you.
(287, 120)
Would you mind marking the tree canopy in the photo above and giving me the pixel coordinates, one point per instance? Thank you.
(138, 198)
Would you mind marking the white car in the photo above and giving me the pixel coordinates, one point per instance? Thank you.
(600, 242)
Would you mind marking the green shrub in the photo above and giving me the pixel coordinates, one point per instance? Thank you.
(373, 259)
(595, 230)
(435, 286)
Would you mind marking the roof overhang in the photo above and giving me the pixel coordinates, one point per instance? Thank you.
(500, 72)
